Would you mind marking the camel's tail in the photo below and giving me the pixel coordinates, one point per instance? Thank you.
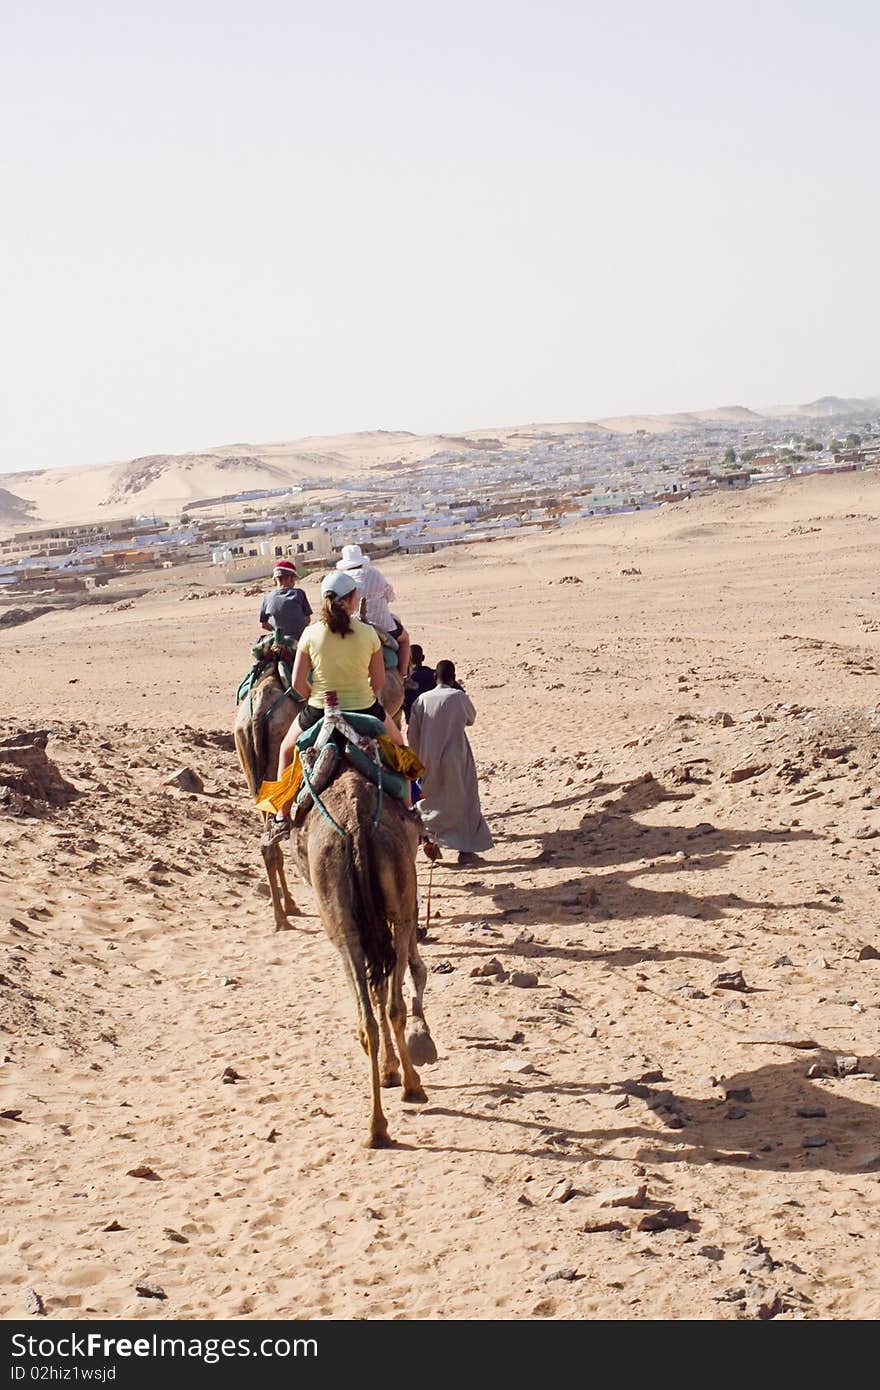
(367, 904)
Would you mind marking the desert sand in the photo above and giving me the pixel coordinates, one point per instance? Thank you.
(679, 742)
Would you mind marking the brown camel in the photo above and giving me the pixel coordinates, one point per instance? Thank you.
(364, 879)
(366, 889)
(261, 721)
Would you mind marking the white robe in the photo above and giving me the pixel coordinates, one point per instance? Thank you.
(450, 804)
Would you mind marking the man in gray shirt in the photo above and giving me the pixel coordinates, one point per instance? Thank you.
(286, 609)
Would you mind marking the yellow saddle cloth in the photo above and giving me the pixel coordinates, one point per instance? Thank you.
(272, 796)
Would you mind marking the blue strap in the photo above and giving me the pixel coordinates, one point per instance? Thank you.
(319, 803)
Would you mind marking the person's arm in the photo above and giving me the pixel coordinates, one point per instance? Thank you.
(264, 618)
(301, 667)
(306, 606)
(377, 672)
(469, 709)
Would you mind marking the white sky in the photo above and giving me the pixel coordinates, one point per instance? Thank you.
(231, 221)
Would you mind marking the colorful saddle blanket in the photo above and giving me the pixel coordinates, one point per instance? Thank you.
(394, 768)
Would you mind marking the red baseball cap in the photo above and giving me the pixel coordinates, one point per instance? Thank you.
(285, 567)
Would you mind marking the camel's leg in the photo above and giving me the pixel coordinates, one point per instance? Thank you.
(388, 1068)
(290, 907)
(272, 860)
(412, 1085)
(419, 1041)
(367, 1025)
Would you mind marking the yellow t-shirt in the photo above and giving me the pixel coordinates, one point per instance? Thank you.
(341, 663)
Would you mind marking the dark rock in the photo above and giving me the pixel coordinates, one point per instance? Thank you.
(742, 1094)
(814, 1141)
(113, 1226)
(730, 979)
(146, 1288)
(594, 1224)
(442, 967)
(563, 1272)
(737, 1112)
(33, 1304)
(144, 1172)
(171, 1234)
(230, 1076)
(667, 1219)
(812, 1112)
(186, 780)
(868, 953)
(711, 1252)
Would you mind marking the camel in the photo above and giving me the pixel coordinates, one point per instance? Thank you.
(261, 721)
(365, 884)
(364, 879)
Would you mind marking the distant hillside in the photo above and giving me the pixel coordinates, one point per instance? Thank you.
(15, 510)
(841, 405)
(165, 484)
(827, 406)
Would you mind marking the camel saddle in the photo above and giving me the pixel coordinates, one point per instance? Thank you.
(274, 649)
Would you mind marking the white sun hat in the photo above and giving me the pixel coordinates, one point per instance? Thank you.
(352, 558)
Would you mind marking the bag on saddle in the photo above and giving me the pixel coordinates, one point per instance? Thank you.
(271, 647)
(389, 649)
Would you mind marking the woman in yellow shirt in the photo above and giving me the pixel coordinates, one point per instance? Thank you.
(342, 654)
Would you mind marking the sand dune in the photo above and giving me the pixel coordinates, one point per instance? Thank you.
(680, 767)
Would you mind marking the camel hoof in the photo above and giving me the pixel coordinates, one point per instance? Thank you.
(382, 1140)
(391, 1078)
(416, 1097)
(421, 1047)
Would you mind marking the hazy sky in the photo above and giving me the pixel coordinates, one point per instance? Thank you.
(231, 221)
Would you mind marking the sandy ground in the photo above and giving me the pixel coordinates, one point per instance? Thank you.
(681, 767)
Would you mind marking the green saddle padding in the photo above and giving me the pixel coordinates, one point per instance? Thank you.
(394, 783)
(366, 724)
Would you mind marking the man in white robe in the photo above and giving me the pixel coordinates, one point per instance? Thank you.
(450, 804)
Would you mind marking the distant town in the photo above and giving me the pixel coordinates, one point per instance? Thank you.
(477, 489)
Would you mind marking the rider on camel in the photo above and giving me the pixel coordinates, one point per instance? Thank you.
(377, 592)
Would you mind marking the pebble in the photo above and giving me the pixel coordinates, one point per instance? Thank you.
(146, 1288)
(523, 979)
(567, 1272)
(730, 979)
(743, 1094)
(812, 1112)
(624, 1196)
(664, 1220)
(814, 1141)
